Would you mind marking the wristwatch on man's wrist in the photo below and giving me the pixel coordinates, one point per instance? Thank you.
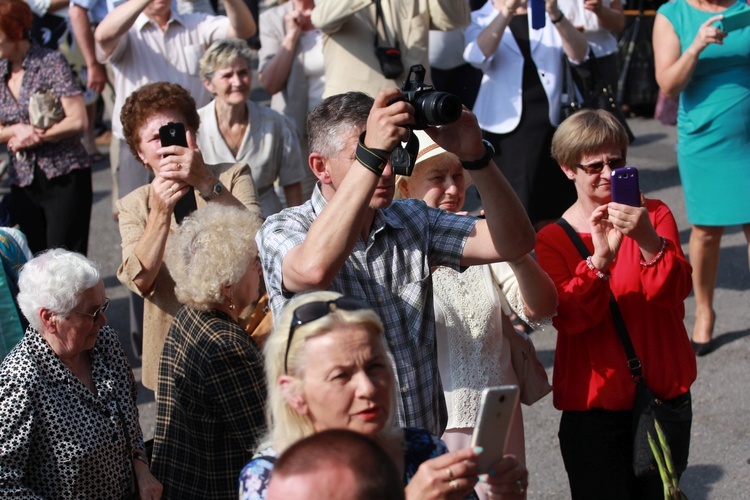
(215, 192)
(489, 153)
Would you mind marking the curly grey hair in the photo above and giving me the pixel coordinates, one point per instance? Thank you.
(212, 247)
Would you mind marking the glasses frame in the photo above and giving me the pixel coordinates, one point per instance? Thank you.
(99, 310)
(591, 169)
(317, 310)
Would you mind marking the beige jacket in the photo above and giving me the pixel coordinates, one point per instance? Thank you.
(160, 304)
(349, 30)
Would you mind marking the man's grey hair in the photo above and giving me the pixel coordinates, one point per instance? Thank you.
(332, 121)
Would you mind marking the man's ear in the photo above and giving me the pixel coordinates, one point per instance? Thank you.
(569, 172)
(319, 167)
(294, 397)
(49, 320)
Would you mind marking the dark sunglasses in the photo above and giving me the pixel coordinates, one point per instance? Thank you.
(99, 311)
(312, 311)
(598, 166)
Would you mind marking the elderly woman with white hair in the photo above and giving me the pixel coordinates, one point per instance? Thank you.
(327, 368)
(68, 416)
(211, 389)
(236, 129)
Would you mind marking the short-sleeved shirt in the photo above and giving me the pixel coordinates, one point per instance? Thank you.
(97, 8)
(44, 70)
(270, 147)
(391, 272)
(146, 54)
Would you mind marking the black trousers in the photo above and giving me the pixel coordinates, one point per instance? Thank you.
(597, 449)
(55, 212)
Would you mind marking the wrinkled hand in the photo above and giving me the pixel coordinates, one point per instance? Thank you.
(185, 165)
(462, 137)
(708, 33)
(606, 238)
(510, 479)
(635, 223)
(386, 124)
(594, 6)
(509, 6)
(96, 77)
(165, 193)
(24, 137)
(148, 487)
(294, 20)
(452, 475)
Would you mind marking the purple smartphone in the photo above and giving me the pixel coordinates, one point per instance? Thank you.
(625, 188)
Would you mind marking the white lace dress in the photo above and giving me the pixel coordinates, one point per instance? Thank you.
(473, 353)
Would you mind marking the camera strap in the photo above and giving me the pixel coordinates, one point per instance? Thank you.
(403, 158)
(380, 22)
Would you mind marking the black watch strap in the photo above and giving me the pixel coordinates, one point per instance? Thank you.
(489, 153)
(373, 159)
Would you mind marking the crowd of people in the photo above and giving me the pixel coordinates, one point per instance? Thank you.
(388, 303)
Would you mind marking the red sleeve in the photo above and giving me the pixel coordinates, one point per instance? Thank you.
(582, 297)
(669, 280)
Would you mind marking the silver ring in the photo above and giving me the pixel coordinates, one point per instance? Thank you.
(450, 473)
(453, 484)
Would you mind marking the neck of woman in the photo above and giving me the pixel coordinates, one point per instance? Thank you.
(16, 57)
(80, 366)
(233, 121)
(232, 313)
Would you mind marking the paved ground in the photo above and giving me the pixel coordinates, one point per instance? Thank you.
(720, 453)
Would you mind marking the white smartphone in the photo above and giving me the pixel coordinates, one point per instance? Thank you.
(493, 423)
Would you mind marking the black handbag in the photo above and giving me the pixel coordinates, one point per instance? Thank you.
(388, 57)
(674, 415)
(595, 91)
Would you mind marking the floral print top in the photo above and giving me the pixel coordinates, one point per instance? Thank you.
(419, 446)
(44, 70)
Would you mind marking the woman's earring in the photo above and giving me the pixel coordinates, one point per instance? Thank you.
(231, 304)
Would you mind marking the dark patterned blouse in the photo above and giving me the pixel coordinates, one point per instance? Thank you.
(45, 70)
(57, 438)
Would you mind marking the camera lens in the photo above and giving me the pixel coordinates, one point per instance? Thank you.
(438, 108)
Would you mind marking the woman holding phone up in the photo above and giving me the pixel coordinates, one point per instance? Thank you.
(636, 257)
(710, 70)
(147, 214)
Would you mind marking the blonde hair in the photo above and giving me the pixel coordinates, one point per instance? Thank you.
(212, 247)
(587, 131)
(285, 425)
(221, 54)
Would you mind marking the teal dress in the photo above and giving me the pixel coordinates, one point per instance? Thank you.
(713, 122)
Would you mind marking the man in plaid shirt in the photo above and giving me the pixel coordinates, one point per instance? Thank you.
(353, 238)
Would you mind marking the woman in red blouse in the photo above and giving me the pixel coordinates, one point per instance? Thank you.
(636, 255)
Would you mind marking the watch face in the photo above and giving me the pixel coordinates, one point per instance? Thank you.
(218, 189)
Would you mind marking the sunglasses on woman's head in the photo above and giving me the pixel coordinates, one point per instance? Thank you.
(312, 311)
(597, 166)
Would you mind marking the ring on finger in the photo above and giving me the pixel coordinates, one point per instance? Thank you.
(171, 190)
(450, 473)
(453, 484)
(519, 484)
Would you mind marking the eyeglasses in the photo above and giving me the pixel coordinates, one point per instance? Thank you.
(99, 311)
(598, 166)
(312, 311)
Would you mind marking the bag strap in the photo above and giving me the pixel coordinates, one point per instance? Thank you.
(380, 21)
(634, 363)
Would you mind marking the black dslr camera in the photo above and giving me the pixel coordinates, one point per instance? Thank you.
(431, 106)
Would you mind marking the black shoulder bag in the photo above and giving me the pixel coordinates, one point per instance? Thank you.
(674, 415)
(388, 57)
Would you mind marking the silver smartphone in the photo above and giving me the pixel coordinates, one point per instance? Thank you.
(493, 423)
